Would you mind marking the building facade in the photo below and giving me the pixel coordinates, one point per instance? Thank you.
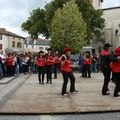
(11, 42)
(97, 4)
(36, 45)
(112, 26)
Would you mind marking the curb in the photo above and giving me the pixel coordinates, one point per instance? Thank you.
(9, 80)
(61, 113)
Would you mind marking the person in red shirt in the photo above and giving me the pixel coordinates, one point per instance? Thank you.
(9, 65)
(56, 63)
(87, 64)
(116, 70)
(49, 65)
(41, 67)
(66, 69)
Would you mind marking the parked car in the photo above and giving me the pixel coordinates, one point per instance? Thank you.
(75, 65)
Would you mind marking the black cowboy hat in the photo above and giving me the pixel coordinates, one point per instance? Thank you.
(88, 52)
(41, 52)
(107, 45)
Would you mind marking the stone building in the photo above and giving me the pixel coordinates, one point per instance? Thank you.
(36, 45)
(97, 4)
(112, 26)
(11, 42)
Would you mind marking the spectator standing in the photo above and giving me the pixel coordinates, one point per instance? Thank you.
(3, 67)
(9, 65)
(94, 63)
(56, 64)
(81, 61)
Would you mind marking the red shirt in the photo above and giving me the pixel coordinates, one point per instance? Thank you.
(51, 60)
(57, 61)
(105, 52)
(41, 62)
(116, 66)
(67, 66)
(87, 61)
(9, 61)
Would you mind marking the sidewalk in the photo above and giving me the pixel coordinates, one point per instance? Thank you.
(32, 98)
(6, 80)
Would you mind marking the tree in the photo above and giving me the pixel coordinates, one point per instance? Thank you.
(92, 17)
(68, 28)
(36, 23)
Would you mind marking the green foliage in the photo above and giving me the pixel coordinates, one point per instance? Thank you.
(93, 18)
(36, 23)
(40, 20)
(68, 28)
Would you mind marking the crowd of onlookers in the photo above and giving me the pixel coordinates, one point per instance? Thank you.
(12, 64)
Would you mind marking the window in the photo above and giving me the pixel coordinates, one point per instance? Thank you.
(32, 46)
(26, 45)
(13, 43)
(27, 41)
(40, 48)
(0, 46)
(19, 44)
(99, 3)
(46, 48)
(13, 37)
(0, 36)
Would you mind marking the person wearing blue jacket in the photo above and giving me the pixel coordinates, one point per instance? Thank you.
(81, 60)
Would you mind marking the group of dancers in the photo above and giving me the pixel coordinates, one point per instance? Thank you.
(45, 65)
(108, 62)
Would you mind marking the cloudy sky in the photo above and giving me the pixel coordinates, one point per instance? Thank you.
(14, 12)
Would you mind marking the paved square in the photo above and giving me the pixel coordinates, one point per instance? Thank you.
(31, 97)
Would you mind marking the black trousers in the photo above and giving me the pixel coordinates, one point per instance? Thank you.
(25, 69)
(14, 67)
(41, 74)
(83, 70)
(106, 72)
(117, 82)
(9, 71)
(20, 69)
(87, 71)
(49, 73)
(3, 69)
(56, 67)
(66, 76)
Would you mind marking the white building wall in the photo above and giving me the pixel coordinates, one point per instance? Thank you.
(36, 48)
(116, 38)
(4, 42)
(112, 21)
(96, 4)
(7, 43)
(111, 15)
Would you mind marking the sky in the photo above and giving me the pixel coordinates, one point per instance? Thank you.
(14, 12)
